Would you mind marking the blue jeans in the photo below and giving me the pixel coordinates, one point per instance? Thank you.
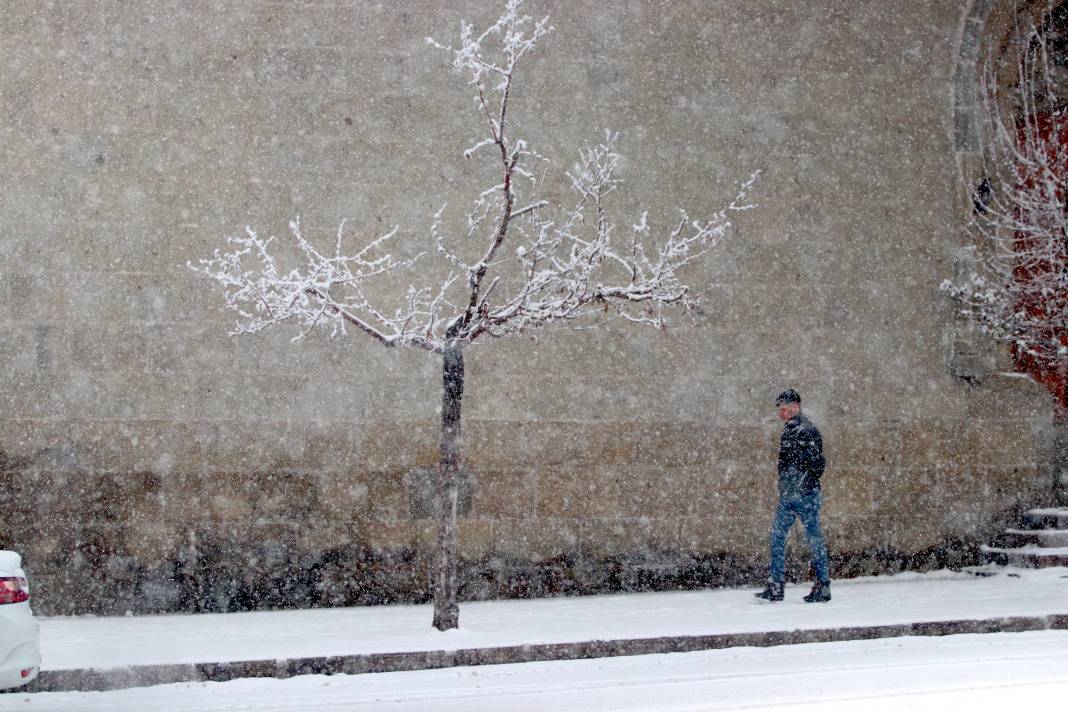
(807, 508)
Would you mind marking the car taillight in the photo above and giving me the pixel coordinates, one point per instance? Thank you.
(13, 589)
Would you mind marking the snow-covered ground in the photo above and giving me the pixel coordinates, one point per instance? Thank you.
(978, 672)
(974, 672)
(96, 642)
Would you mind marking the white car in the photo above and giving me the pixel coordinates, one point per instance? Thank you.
(20, 637)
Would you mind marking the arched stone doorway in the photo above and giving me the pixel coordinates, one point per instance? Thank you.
(1003, 42)
(999, 37)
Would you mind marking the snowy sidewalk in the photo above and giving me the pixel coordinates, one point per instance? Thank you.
(111, 652)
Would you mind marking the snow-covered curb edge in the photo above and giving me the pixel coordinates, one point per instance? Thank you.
(141, 676)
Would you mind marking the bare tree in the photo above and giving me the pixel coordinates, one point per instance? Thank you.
(1018, 291)
(564, 264)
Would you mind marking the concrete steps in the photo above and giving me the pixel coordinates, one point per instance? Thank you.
(1041, 537)
(1040, 542)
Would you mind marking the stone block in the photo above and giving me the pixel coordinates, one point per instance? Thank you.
(743, 536)
(506, 494)
(536, 540)
(848, 493)
(579, 492)
(616, 536)
(477, 537)
(343, 494)
(317, 536)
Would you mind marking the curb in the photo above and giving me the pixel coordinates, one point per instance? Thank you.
(98, 679)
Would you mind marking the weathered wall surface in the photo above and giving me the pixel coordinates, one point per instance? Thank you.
(151, 461)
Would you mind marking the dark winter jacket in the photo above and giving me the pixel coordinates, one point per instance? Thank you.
(801, 460)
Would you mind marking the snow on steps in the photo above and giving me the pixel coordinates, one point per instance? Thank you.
(1055, 517)
(1045, 537)
(1047, 550)
(1044, 545)
(1059, 512)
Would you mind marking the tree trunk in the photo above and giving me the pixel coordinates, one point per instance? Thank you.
(446, 609)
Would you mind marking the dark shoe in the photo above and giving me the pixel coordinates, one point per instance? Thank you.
(821, 593)
(772, 593)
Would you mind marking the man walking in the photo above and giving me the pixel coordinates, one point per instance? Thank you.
(801, 465)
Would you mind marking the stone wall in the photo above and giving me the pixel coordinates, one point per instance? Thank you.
(153, 462)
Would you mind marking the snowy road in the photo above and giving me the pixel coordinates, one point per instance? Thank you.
(978, 672)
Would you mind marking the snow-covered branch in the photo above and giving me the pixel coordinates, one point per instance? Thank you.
(518, 35)
(322, 290)
(575, 269)
(1018, 292)
(561, 264)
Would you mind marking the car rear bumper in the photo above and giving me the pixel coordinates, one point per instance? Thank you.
(21, 648)
(21, 666)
